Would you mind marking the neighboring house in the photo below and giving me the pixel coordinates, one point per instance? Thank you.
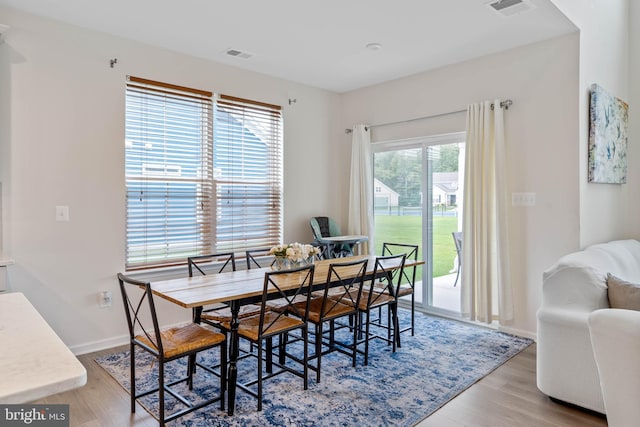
(445, 188)
(383, 196)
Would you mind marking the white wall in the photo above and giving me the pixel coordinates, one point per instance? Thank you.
(62, 143)
(607, 211)
(541, 133)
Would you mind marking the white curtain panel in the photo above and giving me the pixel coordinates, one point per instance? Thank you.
(360, 219)
(486, 292)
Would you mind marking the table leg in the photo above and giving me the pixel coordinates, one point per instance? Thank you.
(197, 314)
(233, 356)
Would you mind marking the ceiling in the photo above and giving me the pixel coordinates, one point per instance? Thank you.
(321, 44)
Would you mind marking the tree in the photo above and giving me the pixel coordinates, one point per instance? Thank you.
(401, 171)
(447, 160)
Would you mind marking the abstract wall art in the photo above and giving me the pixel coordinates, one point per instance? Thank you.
(608, 118)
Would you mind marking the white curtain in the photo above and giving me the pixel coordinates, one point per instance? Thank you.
(486, 285)
(361, 188)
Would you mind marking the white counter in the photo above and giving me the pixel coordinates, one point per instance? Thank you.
(34, 362)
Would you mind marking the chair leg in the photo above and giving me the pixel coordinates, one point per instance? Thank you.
(457, 276)
(259, 377)
(396, 326)
(305, 360)
(354, 354)
(319, 348)
(223, 373)
(133, 378)
(282, 346)
(191, 362)
(161, 392)
(332, 331)
(413, 313)
(389, 320)
(269, 355)
(366, 341)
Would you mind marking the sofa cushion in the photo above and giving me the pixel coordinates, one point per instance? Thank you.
(623, 294)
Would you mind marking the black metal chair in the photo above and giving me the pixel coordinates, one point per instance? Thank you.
(259, 258)
(338, 299)
(406, 285)
(167, 345)
(381, 293)
(457, 239)
(219, 314)
(263, 327)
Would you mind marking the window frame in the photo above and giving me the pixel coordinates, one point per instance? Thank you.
(204, 210)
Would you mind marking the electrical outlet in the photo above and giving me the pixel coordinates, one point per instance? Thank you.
(104, 299)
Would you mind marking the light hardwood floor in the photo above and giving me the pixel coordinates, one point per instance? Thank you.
(507, 397)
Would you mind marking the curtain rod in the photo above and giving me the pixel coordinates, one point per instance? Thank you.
(504, 104)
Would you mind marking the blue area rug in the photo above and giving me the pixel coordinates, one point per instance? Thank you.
(396, 389)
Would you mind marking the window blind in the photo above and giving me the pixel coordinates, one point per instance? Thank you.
(247, 174)
(168, 167)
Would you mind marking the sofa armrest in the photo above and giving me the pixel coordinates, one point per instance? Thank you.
(574, 288)
(576, 319)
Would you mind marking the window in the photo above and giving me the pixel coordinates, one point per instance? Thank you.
(247, 157)
(422, 175)
(197, 181)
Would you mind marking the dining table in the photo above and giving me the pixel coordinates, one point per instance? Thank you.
(241, 287)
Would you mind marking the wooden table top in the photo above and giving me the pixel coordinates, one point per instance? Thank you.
(198, 291)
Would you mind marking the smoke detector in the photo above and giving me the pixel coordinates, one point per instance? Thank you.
(238, 53)
(510, 7)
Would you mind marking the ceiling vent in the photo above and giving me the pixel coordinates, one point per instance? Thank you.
(510, 7)
(238, 53)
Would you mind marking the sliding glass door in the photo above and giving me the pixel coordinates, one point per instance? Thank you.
(418, 200)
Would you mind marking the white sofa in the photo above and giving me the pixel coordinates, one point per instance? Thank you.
(615, 335)
(572, 289)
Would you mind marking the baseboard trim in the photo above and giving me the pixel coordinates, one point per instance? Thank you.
(93, 346)
(518, 332)
(107, 343)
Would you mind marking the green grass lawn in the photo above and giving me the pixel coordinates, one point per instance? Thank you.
(408, 229)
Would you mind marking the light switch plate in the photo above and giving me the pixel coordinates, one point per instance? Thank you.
(523, 199)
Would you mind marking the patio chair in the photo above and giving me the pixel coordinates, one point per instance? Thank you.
(324, 226)
(457, 239)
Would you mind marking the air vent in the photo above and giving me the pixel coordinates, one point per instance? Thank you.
(510, 7)
(238, 53)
